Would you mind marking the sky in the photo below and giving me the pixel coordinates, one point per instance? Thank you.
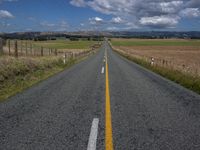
(99, 15)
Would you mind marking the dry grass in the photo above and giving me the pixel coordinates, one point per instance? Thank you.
(184, 58)
(19, 74)
(11, 67)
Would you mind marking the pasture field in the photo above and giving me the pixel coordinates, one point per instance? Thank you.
(50, 47)
(64, 44)
(155, 42)
(175, 59)
(177, 54)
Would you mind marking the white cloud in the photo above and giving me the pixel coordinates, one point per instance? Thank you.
(78, 3)
(5, 14)
(161, 13)
(190, 12)
(96, 21)
(193, 4)
(159, 21)
(171, 7)
(117, 20)
(47, 24)
(131, 25)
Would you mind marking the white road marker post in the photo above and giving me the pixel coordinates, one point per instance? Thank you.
(102, 70)
(93, 135)
(64, 60)
(152, 61)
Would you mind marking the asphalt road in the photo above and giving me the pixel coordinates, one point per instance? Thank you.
(65, 111)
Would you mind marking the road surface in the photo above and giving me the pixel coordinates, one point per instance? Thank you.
(104, 102)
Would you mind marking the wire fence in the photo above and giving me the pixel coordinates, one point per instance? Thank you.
(22, 48)
(192, 69)
(26, 48)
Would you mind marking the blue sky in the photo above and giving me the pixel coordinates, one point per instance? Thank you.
(75, 15)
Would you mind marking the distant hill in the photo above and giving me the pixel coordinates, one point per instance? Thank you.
(85, 34)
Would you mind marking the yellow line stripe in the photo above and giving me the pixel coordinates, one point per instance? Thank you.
(108, 122)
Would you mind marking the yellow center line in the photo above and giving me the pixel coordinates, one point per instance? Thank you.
(108, 120)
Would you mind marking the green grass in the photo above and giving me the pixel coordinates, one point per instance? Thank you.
(64, 44)
(186, 80)
(156, 42)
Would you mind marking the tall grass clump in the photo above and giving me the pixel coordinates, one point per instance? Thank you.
(19, 74)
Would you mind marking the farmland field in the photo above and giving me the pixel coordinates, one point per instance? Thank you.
(155, 42)
(64, 44)
(180, 54)
(34, 47)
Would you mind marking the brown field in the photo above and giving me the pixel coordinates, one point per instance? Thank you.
(166, 53)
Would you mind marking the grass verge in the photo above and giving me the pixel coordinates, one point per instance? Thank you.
(17, 75)
(186, 80)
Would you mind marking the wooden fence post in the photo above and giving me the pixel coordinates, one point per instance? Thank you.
(42, 52)
(16, 49)
(33, 52)
(49, 51)
(31, 48)
(56, 52)
(9, 47)
(1, 46)
(21, 47)
(26, 52)
(26, 48)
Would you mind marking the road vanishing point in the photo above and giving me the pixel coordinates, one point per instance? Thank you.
(105, 102)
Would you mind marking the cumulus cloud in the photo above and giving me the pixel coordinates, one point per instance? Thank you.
(78, 3)
(117, 20)
(159, 21)
(190, 12)
(96, 20)
(193, 4)
(170, 7)
(150, 13)
(5, 14)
